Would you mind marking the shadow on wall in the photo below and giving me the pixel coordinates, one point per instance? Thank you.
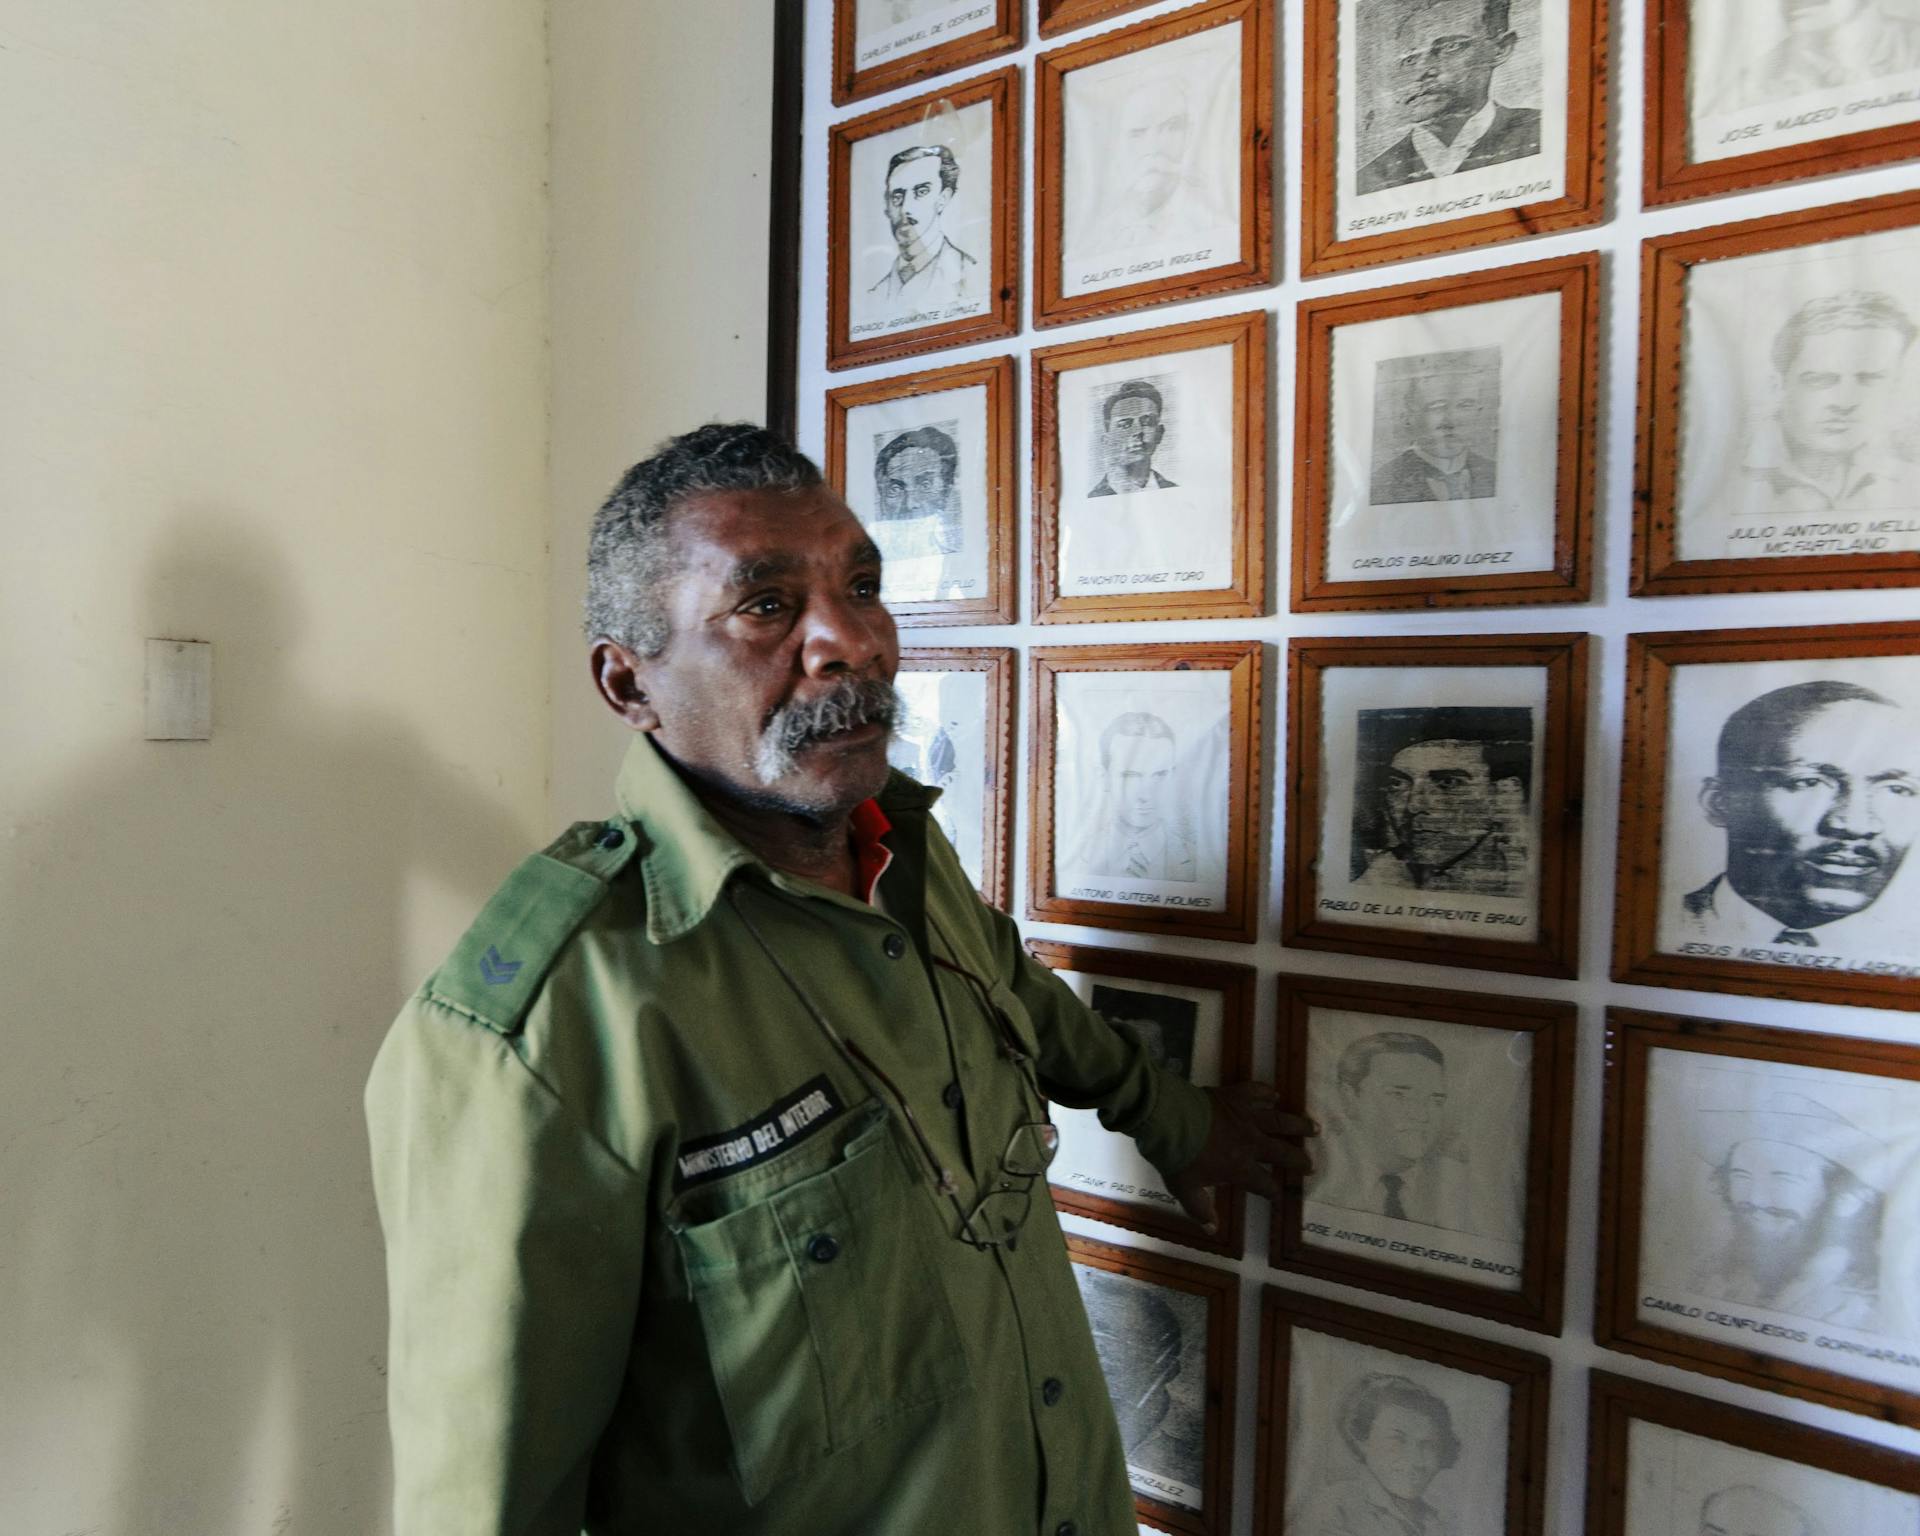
(203, 948)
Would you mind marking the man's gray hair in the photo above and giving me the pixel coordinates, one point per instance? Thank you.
(629, 559)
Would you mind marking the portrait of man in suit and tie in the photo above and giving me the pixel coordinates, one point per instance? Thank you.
(1144, 834)
(1389, 1151)
(1439, 60)
(1436, 425)
(1816, 789)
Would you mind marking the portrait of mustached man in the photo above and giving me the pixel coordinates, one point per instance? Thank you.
(712, 1162)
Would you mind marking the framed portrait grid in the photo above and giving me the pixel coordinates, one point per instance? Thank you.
(926, 462)
(1433, 796)
(1435, 125)
(880, 45)
(1660, 1461)
(957, 737)
(1760, 1208)
(923, 213)
(1165, 1330)
(1150, 481)
(1446, 441)
(1196, 1018)
(1764, 843)
(1742, 94)
(1145, 790)
(1779, 424)
(1440, 1171)
(1362, 1414)
(1154, 162)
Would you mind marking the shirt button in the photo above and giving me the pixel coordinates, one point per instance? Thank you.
(823, 1249)
(894, 945)
(950, 1095)
(1051, 1391)
(1066, 1528)
(613, 837)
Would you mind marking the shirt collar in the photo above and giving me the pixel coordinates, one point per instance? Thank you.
(1767, 456)
(687, 857)
(1445, 159)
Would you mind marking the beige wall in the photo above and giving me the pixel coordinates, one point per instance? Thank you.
(272, 374)
(661, 126)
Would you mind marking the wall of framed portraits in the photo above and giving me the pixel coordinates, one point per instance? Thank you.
(1473, 447)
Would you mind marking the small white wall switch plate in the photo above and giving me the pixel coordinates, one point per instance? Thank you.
(179, 690)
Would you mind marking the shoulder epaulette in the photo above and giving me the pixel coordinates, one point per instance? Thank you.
(496, 971)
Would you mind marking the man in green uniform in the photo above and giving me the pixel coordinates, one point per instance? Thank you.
(712, 1162)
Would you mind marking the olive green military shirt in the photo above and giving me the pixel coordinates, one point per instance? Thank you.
(664, 1257)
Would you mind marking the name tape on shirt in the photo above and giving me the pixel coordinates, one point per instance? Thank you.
(774, 1129)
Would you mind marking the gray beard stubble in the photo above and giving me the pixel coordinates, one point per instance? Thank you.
(801, 722)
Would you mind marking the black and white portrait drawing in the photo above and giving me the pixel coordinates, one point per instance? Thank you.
(1131, 431)
(1164, 1024)
(891, 29)
(1784, 1195)
(1444, 441)
(941, 741)
(1152, 163)
(1800, 426)
(916, 477)
(1763, 72)
(920, 225)
(1679, 1484)
(1444, 103)
(1423, 1143)
(1383, 1444)
(1793, 799)
(1147, 457)
(1182, 1029)
(1444, 800)
(1152, 1341)
(1430, 821)
(1140, 786)
(1436, 427)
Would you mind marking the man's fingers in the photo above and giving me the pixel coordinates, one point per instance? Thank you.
(1284, 1154)
(1197, 1201)
(1280, 1122)
(1261, 1181)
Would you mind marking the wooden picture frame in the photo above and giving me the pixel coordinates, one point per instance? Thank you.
(1494, 212)
(1617, 1404)
(1555, 560)
(1798, 1128)
(1058, 16)
(995, 665)
(1436, 1358)
(1673, 174)
(1480, 888)
(988, 291)
(1206, 872)
(899, 62)
(1230, 566)
(993, 477)
(1186, 244)
(1442, 1191)
(1669, 266)
(1163, 1217)
(1217, 1315)
(1832, 943)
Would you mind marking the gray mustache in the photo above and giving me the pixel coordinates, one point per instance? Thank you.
(851, 702)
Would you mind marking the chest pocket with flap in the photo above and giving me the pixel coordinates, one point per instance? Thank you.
(823, 1312)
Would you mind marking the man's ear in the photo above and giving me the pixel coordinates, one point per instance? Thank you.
(1713, 801)
(1503, 49)
(620, 677)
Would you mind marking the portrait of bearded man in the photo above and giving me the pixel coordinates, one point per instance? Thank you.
(1799, 1210)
